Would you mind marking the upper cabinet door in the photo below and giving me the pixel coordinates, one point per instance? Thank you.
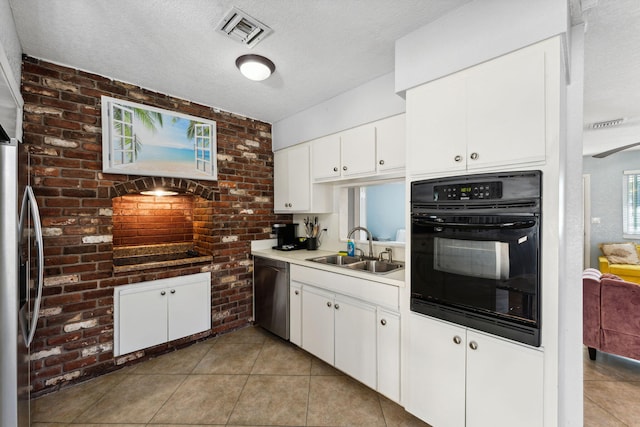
(390, 143)
(436, 126)
(281, 181)
(359, 151)
(291, 179)
(506, 110)
(325, 157)
(299, 178)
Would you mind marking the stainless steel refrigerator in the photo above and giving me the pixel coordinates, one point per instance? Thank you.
(21, 278)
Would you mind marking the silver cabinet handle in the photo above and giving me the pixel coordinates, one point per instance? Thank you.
(458, 158)
(474, 156)
(163, 293)
(335, 169)
(457, 339)
(344, 168)
(173, 291)
(473, 345)
(383, 322)
(329, 304)
(381, 162)
(337, 306)
(297, 292)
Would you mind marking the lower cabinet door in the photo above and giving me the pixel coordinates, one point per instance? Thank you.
(504, 383)
(144, 312)
(388, 327)
(435, 372)
(295, 313)
(317, 323)
(189, 309)
(355, 339)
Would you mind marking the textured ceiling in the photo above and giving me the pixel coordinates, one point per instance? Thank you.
(612, 73)
(321, 48)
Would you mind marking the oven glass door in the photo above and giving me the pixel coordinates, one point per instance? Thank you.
(487, 264)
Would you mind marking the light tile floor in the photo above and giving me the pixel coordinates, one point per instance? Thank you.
(248, 378)
(251, 378)
(611, 391)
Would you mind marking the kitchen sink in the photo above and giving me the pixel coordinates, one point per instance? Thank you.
(336, 259)
(374, 266)
(356, 263)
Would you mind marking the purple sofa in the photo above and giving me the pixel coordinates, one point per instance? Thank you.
(611, 315)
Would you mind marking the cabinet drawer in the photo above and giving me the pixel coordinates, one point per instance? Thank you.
(368, 290)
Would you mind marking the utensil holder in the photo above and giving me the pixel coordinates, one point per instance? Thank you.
(312, 243)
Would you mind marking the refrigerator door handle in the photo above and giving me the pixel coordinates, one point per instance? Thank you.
(29, 203)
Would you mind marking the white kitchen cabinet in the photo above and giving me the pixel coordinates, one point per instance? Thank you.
(151, 313)
(510, 128)
(352, 324)
(365, 151)
(295, 313)
(491, 115)
(293, 190)
(325, 158)
(358, 147)
(459, 377)
(355, 339)
(436, 129)
(347, 154)
(143, 319)
(390, 144)
(388, 353)
(341, 331)
(318, 323)
(189, 309)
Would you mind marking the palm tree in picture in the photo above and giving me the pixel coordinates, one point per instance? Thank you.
(123, 124)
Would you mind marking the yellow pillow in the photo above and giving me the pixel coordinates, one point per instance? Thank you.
(620, 253)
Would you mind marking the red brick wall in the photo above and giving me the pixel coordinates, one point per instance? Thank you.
(148, 220)
(62, 131)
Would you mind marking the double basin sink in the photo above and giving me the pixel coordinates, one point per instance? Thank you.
(357, 263)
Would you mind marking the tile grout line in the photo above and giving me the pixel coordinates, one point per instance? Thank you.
(235, 405)
(186, 376)
(605, 410)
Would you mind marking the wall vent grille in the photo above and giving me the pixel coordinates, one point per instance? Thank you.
(607, 124)
(243, 28)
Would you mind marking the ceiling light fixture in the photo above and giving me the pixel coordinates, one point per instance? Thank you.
(255, 67)
(159, 193)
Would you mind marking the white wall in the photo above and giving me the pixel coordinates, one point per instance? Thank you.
(474, 33)
(570, 397)
(366, 103)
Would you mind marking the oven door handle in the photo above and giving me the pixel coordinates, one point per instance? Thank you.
(461, 225)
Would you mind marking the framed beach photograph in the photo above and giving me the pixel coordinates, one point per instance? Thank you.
(142, 140)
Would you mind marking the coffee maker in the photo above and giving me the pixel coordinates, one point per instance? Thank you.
(286, 237)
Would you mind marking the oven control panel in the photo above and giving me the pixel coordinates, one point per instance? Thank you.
(468, 191)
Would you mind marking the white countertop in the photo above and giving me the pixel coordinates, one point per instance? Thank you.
(263, 249)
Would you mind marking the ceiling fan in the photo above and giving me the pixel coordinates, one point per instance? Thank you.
(614, 150)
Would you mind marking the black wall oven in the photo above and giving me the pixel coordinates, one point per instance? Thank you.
(475, 252)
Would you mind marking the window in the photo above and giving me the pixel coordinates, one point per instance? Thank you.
(380, 208)
(631, 203)
(124, 140)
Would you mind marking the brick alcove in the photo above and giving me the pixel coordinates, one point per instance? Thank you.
(140, 220)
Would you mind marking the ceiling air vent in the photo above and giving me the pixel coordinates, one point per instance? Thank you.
(607, 124)
(243, 28)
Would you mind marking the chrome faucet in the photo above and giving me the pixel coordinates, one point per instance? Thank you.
(369, 237)
(387, 251)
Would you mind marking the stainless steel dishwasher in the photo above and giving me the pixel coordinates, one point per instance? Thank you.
(271, 295)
